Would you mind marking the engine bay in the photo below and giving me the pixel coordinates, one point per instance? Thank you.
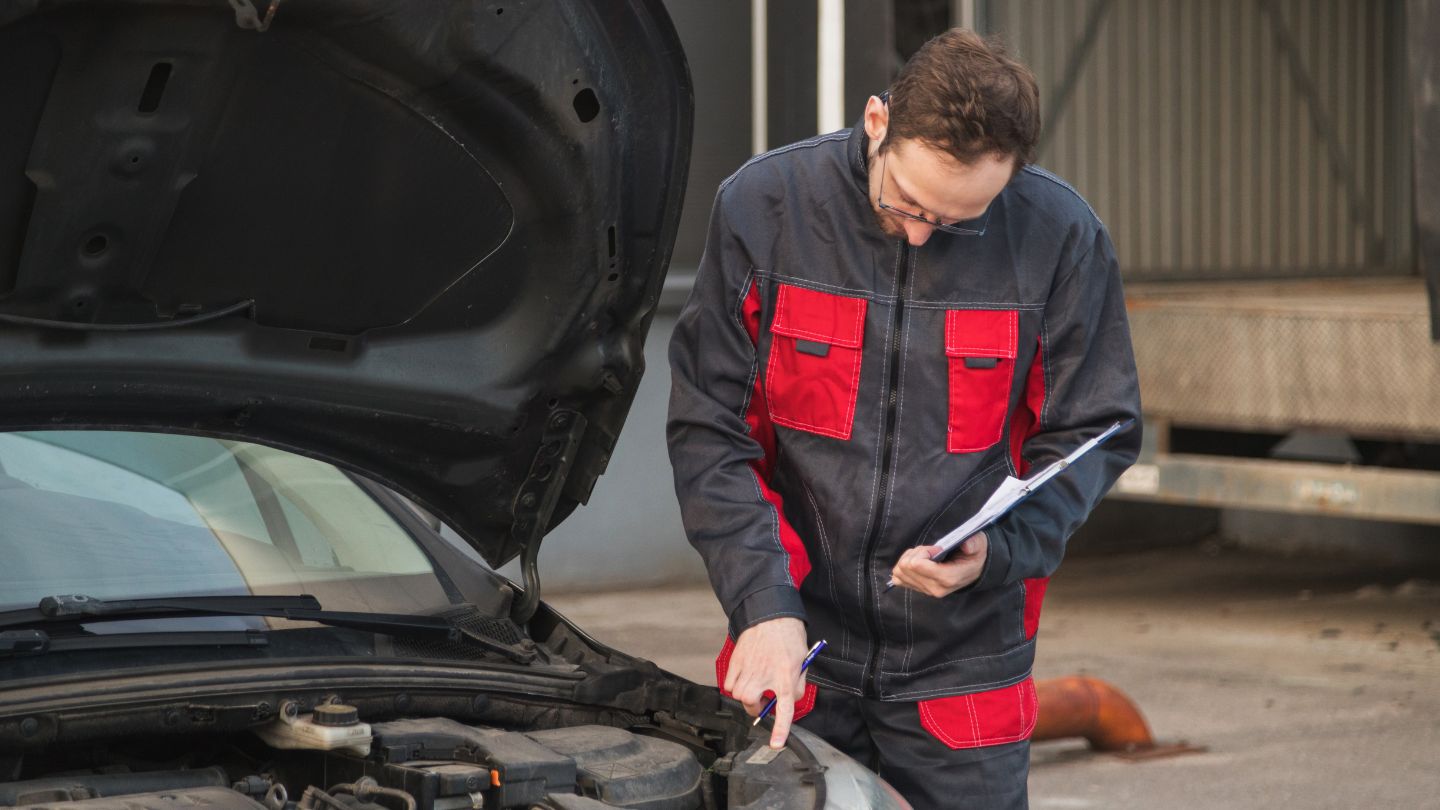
(591, 728)
(408, 764)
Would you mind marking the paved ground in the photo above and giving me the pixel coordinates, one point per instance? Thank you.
(1313, 683)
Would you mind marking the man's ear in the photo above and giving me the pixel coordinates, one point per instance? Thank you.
(877, 119)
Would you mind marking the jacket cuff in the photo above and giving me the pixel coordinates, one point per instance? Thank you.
(765, 604)
(997, 559)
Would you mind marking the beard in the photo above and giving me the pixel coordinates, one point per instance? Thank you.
(887, 223)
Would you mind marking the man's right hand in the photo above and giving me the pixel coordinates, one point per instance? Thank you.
(767, 657)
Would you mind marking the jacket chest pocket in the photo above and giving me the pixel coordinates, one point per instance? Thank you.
(980, 350)
(812, 378)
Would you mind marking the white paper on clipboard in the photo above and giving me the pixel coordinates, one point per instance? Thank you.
(1014, 490)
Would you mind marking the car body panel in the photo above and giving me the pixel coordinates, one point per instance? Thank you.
(390, 234)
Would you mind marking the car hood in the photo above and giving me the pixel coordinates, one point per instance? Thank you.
(420, 240)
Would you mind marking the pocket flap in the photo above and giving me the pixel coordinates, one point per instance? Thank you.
(835, 320)
(981, 333)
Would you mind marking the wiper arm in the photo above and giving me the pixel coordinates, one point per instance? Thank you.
(73, 609)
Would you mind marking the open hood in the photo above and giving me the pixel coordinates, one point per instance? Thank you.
(421, 240)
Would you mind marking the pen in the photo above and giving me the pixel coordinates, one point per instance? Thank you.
(809, 658)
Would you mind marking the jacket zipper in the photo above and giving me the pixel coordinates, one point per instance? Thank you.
(872, 605)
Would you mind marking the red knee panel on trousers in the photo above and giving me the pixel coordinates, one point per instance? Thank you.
(803, 706)
(995, 717)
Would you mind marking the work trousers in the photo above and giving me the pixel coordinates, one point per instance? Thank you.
(888, 737)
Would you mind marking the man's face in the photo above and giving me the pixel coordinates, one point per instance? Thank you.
(917, 179)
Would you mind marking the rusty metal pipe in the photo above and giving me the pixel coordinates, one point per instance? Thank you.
(1077, 706)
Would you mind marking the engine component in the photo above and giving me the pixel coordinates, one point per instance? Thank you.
(476, 766)
(352, 797)
(80, 787)
(330, 727)
(337, 715)
(758, 778)
(447, 765)
(555, 801)
(628, 770)
(202, 798)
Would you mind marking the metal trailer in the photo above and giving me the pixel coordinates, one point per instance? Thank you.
(1298, 396)
(1270, 170)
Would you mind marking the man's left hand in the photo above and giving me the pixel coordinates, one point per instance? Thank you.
(918, 572)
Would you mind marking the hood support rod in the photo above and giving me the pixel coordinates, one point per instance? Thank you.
(536, 500)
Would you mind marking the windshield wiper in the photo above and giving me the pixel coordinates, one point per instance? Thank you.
(77, 609)
(14, 643)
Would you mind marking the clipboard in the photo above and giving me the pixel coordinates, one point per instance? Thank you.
(1014, 490)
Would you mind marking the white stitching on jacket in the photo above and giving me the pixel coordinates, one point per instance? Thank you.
(842, 432)
(775, 525)
(943, 664)
(949, 691)
(932, 725)
(899, 419)
(755, 362)
(983, 305)
(863, 569)
(971, 483)
(815, 141)
(830, 567)
(1045, 370)
(848, 424)
(857, 330)
(820, 286)
(1039, 172)
(952, 329)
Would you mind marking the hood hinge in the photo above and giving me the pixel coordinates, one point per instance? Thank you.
(535, 502)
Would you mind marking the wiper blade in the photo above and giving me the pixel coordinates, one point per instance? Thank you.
(15, 643)
(65, 605)
(75, 609)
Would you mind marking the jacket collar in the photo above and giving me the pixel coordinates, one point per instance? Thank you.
(857, 150)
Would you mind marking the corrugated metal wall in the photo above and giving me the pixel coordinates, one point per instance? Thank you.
(1227, 138)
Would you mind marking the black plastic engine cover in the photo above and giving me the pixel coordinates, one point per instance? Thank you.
(420, 756)
(628, 770)
(203, 798)
(81, 787)
(444, 764)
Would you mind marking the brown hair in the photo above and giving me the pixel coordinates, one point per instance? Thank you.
(964, 95)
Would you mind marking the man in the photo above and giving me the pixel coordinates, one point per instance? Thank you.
(886, 322)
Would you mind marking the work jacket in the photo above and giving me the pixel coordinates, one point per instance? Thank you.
(840, 396)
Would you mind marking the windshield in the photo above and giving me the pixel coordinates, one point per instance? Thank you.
(119, 515)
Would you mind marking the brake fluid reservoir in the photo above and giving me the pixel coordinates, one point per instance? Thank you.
(331, 727)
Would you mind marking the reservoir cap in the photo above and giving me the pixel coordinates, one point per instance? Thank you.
(336, 714)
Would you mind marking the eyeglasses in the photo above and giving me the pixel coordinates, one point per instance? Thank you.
(936, 224)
